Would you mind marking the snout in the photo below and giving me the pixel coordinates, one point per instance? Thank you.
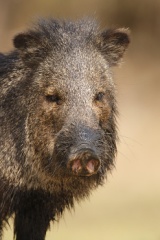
(83, 162)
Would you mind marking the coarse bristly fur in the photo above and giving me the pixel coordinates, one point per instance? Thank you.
(56, 95)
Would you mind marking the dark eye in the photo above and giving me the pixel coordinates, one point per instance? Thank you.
(55, 98)
(99, 96)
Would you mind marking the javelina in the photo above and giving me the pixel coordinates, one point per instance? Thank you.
(57, 120)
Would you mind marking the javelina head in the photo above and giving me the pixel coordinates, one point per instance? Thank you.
(70, 123)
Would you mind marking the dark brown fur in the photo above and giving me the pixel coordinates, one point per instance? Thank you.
(57, 95)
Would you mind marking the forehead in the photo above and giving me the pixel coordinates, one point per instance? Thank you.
(75, 68)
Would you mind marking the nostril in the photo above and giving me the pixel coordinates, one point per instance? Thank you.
(92, 166)
(84, 162)
(76, 166)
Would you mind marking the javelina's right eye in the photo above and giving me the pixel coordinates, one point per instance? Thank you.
(55, 98)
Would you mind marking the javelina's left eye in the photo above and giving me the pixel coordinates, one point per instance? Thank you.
(99, 96)
(55, 98)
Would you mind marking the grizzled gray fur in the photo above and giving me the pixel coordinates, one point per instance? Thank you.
(57, 120)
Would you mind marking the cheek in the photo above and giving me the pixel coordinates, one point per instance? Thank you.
(102, 112)
(41, 123)
(41, 136)
(104, 116)
(40, 127)
(52, 116)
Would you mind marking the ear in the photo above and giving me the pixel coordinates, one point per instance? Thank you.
(112, 44)
(30, 47)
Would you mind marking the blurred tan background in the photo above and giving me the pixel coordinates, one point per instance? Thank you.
(128, 206)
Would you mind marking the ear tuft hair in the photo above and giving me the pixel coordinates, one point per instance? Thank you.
(112, 43)
(31, 47)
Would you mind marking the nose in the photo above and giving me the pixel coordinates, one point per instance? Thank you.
(84, 162)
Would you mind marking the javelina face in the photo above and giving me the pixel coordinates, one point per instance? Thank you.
(75, 114)
(71, 122)
(82, 109)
